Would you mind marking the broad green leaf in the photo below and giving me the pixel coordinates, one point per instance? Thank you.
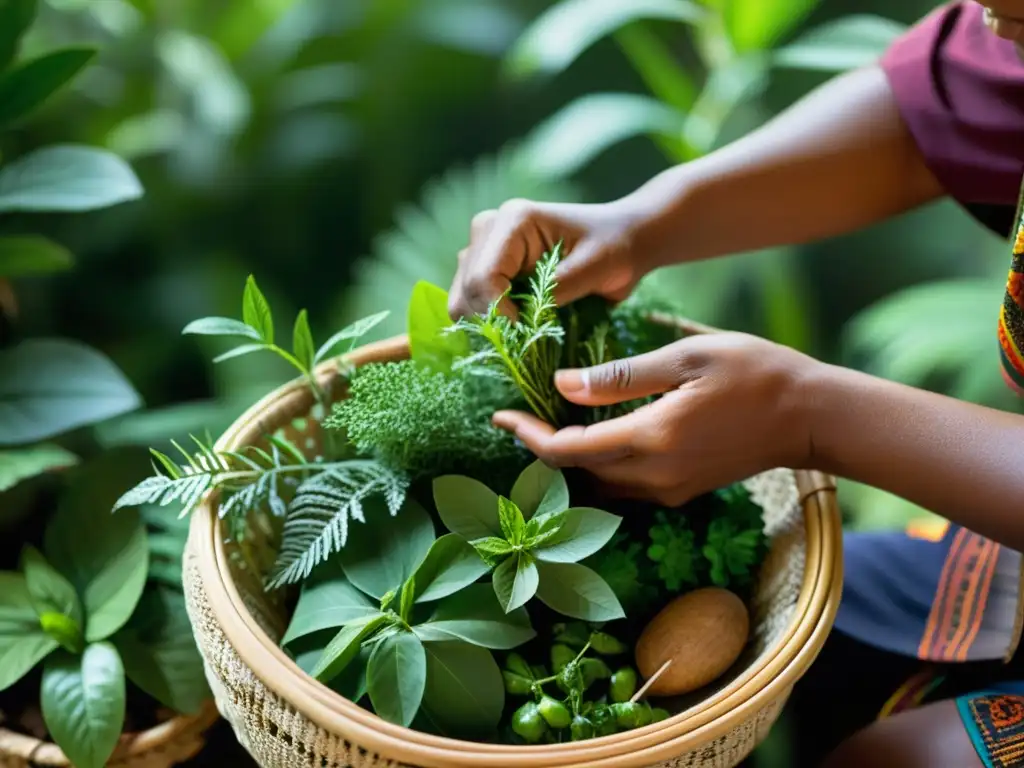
(539, 489)
(16, 17)
(302, 341)
(515, 581)
(24, 463)
(50, 591)
(576, 591)
(244, 349)
(351, 681)
(344, 648)
(464, 695)
(449, 566)
(384, 551)
(51, 386)
(83, 702)
(558, 36)
(23, 644)
(475, 616)
(66, 178)
(256, 311)
(32, 255)
(583, 532)
(510, 517)
(352, 333)
(845, 43)
(27, 85)
(396, 677)
(159, 652)
(327, 601)
(756, 25)
(571, 138)
(467, 507)
(221, 326)
(15, 601)
(428, 318)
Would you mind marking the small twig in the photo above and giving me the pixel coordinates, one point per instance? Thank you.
(653, 678)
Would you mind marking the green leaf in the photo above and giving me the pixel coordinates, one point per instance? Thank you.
(513, 525)
(32, 255)
(493, 548)
(160, 654)
(221, 326)
(66, 178)
(397, 677)
(23, 644)
(256, 311)
(328, 600)
(467, 507)
(16, 17)
(428, 318)
(302, 341)
(756, 25)
(51, 386)
(475, 616)
(351, 682)
(344, 648)
(352, 332)
(24, 463)
(83, 702)
(540, 490)
(515, 581)
(50, 591)
(28, 85)
(558, 36)
(464, 694)
(384, 551)
(243, 349)
(576, 591)
(449, 566)
(583, 531)
(845, 43)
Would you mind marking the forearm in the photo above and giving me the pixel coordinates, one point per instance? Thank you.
(962, 461)
(838, 160)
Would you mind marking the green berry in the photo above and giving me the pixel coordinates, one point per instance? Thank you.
(561, 656)
(581, 728)
(528, 723)
(515, 684)
(622, 685)
(606, 644)
(554, 712)
(594, 670)
(658, 714)
(627, 714)
(516, 663)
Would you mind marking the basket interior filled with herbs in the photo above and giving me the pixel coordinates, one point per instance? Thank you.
(437, 573)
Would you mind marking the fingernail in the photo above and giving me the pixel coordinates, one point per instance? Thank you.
(572, 380)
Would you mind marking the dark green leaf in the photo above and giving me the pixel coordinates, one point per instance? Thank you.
(28, 85)
(464, 694)
(32, 255)
(327, 601)
(302, 341)
(583, 531)
(475, 616)
(344, 648)
(467, 507)
(384, 551)
(513, 526)
(756, 25)
(243, 349)
(221, 326)
(845, 43)
(451, 564)
(24, 463)
(256, 311)
(515, 581)
(350, 682)
(23, 644)
(396, 677)
(83, 702)
(576, 591)
(49, 590)
(352, 332)
(16, 17)
(51, 386)
(428, 318)
(540, 490)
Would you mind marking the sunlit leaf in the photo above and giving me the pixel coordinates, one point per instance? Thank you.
(836, 46)
(756, 25)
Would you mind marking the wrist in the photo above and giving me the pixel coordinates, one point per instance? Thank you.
(828, 395)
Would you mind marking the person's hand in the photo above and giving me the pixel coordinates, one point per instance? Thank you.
(503, 244)
(734, 405)
(1005, 18)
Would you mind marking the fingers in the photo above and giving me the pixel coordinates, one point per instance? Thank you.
(597, 444)
(1005, 18)
(626, 379)
(585, 271)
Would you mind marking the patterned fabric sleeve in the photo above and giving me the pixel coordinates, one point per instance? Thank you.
(1011, 315)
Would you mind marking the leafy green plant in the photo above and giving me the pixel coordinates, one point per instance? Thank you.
(533, 540)
(675, 552)
(408, 600)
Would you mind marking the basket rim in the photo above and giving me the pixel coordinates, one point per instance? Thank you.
(269, 663)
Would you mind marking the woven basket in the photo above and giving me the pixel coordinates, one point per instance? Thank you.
(163, 746)
(284, 718)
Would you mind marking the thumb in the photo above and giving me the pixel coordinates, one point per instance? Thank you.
(622, 380)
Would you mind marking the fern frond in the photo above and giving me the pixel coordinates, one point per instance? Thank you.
(318, 517)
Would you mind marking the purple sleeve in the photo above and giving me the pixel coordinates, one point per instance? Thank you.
(960, 90)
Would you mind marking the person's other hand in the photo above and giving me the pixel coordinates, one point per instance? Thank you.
(507, 242)
(733, 406)
(1005, 18)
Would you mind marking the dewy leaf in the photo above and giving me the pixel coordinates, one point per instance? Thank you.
(467, 507)
(302, 341)
(66, 178)
(583, 532)
(83, 702)
(32, 255)
(576, 591)
(26, 86)
(475, 616)
(49, 590)
(344, 648)
(51, 386)
(540, 490)
(384, 551)
(513, 525)
(464, 694)
(397, 677)
(352, 332)
(221, 326)
(327, 601)
(16, 17)
(23, 644)
(428, 319)
(450, 565)
(23, 463)
(515, 581)
(256, 310)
